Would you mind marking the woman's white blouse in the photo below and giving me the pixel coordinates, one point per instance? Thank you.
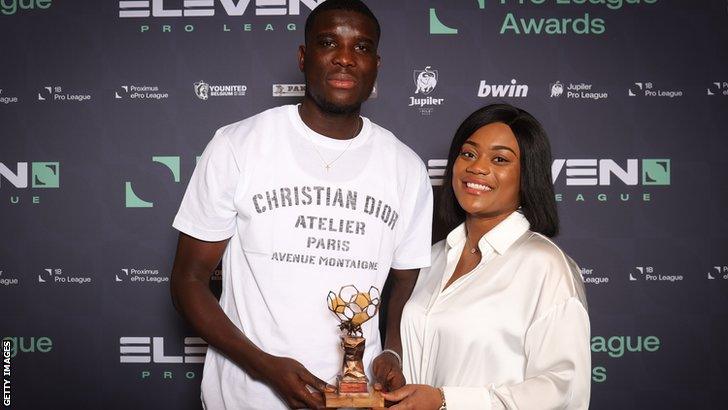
(512, 333)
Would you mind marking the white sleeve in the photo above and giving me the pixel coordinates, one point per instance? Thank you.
(207, 211)
(414, 247)
(558, 368)
(472, 398)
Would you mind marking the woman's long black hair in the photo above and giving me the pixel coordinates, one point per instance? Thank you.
(537, 200)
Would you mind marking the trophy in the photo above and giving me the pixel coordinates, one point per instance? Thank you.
(353, 308)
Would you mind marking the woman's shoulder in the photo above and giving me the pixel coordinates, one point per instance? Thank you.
(439, 247)
(557, 269)
(438, 253)
(534, 245)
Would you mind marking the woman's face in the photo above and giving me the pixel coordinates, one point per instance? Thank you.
(486, 175)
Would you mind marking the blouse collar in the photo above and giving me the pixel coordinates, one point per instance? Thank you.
(500, 238)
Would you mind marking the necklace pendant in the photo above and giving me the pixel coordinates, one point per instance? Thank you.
(473, 250)
(327, 166)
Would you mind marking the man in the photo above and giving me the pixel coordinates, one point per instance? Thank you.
(298, 201)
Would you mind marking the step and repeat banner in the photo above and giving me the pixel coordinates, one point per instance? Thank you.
(105, 107)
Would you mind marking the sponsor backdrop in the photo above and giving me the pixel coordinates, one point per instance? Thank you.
(106, 105)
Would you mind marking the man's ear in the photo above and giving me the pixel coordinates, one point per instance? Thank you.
(302, 57)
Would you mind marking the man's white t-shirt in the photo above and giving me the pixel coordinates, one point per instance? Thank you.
(298, 231)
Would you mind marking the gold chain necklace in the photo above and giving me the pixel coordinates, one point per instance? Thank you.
(329, 164)
(467, 244)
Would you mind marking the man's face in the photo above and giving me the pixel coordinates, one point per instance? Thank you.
(340, 60)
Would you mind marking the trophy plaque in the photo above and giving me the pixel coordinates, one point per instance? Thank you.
(353, 308)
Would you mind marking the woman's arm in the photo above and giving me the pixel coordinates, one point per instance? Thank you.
(557, 374)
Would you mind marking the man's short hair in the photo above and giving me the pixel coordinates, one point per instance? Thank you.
(356, 6)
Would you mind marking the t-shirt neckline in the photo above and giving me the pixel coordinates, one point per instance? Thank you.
(322, 140)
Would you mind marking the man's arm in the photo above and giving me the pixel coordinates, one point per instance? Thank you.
(194, 262)
(387, 371)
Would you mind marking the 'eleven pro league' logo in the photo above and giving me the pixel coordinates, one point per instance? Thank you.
(42, 175)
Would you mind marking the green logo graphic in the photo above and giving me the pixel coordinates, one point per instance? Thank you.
(132, 199)
(24, 344)
(10, 7)
(655, 172)
(438, 27)
(45, 174)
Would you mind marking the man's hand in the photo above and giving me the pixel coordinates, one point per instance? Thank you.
(194, 262)
(415, 397)
(289, 379)
(387, 369)
(387, 373)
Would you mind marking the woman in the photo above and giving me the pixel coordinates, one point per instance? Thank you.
(500, 318)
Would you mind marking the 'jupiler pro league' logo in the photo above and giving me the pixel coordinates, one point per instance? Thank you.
(557, 89)
(425, 80)
(202, 90)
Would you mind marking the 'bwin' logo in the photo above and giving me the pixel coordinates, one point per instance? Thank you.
(202, 90)
(557, 89)
(425, 80)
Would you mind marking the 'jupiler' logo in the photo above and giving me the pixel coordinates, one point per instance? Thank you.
(557, 89)
(425, 80)
(202, 90)
(425, 83)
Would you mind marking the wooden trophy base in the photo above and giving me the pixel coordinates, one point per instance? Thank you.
(371, 399)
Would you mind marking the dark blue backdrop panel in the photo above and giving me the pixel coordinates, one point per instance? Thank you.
(101, 126)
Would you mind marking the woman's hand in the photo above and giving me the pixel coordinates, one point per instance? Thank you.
(415, 397)
(387, 373)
